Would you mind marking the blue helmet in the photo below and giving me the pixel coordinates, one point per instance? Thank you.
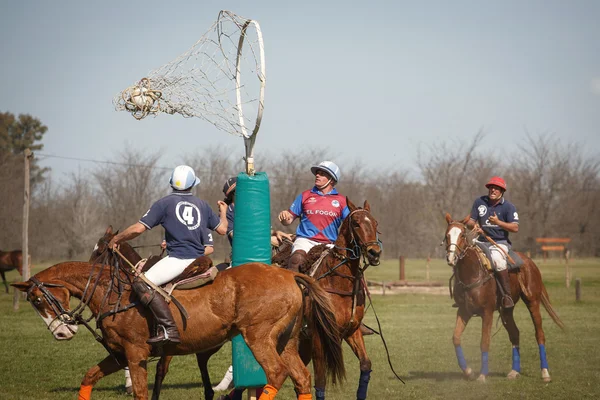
(183, 178)
(328, 166)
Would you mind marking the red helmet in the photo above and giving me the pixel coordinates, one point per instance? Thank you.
(496, 181)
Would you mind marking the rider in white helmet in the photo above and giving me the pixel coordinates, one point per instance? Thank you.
(321, 211)
(186, 219)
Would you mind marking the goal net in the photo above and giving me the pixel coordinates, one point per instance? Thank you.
(220, 79)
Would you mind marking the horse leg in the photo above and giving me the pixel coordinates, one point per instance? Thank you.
(298, 371)
(536, 317)
(319, 368)
(97, 372)
(138, 367)
(462, 319)
(357, 344)
(202, 360)
(4, 280)
(513, 335)
(162, 368)
(487, 320)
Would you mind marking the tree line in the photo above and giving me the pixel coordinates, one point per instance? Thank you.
(554, 185)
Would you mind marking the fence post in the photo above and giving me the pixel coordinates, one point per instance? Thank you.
(402, 275)
(427, 268)
(578, 289)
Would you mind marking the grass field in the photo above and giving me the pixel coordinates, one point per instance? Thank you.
(417, 328)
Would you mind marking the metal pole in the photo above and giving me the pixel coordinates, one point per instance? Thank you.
(578, 289)
(25, 250)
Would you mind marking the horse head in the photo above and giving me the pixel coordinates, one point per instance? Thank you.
(456, 239)
(51, 302)
(362, 229)
(102, 244)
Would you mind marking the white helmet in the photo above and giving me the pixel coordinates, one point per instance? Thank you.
(183, 178)
(330, 167)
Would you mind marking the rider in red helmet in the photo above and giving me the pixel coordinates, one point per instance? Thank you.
(495, 217)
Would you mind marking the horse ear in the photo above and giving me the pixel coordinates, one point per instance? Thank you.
(366, 206)
(351, 205)
(448, 218)
(466, 219)
(22, 286)
(109, 230)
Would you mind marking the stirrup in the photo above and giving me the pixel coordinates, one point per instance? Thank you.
(506, 298)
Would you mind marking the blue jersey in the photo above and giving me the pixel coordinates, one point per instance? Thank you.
(504, 210)
(320, 214)
(187, 220)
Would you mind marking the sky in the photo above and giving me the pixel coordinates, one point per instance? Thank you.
(371, 82)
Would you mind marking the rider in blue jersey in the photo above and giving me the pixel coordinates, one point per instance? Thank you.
(186, 220)
(495, 217)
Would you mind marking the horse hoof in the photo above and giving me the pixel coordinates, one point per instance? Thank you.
(468, 373)
(481, 378)
(129, 390)
(513, 374)
(546, 375)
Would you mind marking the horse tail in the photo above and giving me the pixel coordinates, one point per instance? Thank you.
(534, 270)
(324, 325)
(550, 309)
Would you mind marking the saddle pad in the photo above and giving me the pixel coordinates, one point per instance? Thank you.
(195, 281)
(485, 248)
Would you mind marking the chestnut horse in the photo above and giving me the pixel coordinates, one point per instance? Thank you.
(341, 274)
(269, 320)
(476, 293)
(10, 260)
(100, 254)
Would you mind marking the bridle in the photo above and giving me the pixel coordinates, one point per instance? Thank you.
(460, 254)
(459, 251)
(63, 316)
(75, 316)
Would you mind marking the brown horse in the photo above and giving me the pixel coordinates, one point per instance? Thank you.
(269, 320)
(162, 368)
(10, 260)
(476, 293)
(340, 273)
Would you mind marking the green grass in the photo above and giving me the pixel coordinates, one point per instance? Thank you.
(417, 328)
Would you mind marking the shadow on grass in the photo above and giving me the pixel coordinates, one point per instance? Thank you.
(444, 376)
(121, 388)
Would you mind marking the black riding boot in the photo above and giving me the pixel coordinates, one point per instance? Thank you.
(297, 261)
(167, 330)
(507, 301)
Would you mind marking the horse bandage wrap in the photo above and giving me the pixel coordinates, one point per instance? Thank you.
(269, 393)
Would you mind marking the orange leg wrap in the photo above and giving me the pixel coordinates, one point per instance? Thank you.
(305, 396)
(269, 393)
(85, 392)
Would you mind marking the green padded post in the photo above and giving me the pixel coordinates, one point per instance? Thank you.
(251, 243)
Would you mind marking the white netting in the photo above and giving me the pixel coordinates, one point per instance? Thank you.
(220, 79)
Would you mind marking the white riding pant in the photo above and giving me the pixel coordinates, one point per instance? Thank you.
(306, 244)
(166, 269)
(499, 256)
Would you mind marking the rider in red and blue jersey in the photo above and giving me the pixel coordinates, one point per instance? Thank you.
(321, 211)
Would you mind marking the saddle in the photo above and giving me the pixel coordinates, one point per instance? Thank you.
(485, 256)
(313, 258)
(200, 272)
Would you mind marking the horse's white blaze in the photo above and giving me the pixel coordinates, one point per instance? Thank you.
(59, 329)
(453, 234)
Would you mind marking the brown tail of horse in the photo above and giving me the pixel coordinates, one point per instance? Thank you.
(527, 276)
(325, 326)
(549, 309)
